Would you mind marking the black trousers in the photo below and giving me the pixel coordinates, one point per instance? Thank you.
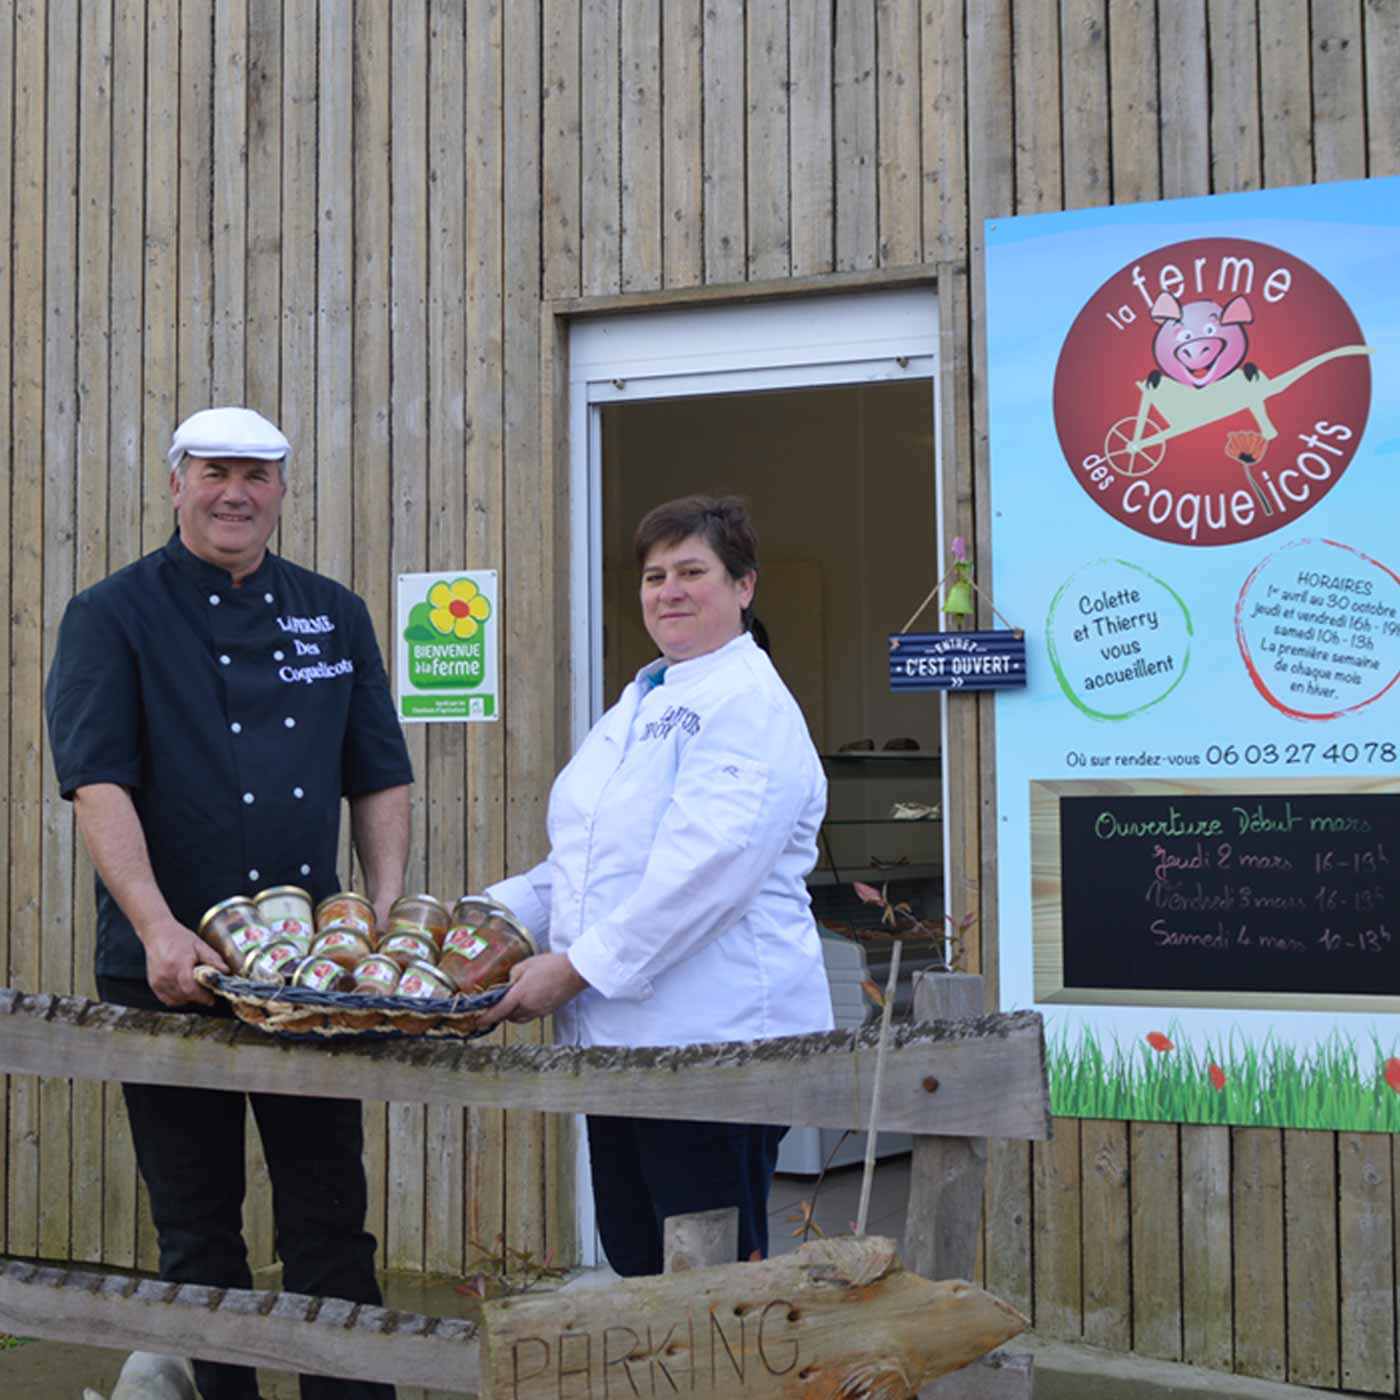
(189, 1146)
(645, 1169)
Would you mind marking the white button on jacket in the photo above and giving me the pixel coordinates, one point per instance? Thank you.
(681, 835)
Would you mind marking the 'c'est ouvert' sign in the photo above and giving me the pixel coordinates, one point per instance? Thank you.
(957, 660)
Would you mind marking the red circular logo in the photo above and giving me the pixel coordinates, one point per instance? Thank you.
(1212, 391)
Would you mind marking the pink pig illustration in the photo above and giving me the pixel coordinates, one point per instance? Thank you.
(1200, 343)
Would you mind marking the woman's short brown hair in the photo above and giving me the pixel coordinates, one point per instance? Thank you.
(721, 521)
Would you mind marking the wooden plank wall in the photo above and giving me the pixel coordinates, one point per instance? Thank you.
(347, 214)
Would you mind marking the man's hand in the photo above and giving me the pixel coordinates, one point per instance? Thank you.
(538, 986)
(172, 954)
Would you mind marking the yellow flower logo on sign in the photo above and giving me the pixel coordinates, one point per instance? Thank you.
(458, 608)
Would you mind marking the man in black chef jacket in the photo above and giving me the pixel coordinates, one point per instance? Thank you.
(208, 707)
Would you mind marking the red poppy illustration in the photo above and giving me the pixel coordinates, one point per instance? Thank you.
(1392, 1073)
(1217, 1077)
(1159, 1042)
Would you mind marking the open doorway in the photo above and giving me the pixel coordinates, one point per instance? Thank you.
(820, 410)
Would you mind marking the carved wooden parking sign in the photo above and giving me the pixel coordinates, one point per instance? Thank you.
(840, 1318)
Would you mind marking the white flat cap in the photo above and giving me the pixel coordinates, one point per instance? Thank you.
(228, 432)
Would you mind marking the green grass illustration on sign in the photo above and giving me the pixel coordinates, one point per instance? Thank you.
(1161, 1078)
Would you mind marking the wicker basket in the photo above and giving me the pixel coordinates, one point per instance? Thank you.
(299, 1013)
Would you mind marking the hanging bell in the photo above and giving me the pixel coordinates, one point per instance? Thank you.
(959, 596)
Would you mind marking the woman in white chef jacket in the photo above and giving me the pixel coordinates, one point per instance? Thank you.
(674, 901)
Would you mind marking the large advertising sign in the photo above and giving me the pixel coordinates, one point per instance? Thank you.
(1195, 459)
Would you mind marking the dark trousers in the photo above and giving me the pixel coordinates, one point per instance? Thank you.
(189, 1146)
(646, 1169)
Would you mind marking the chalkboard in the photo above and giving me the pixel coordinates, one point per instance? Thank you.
(1251, 895)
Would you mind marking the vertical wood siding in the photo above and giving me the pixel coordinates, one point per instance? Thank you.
(348, 215)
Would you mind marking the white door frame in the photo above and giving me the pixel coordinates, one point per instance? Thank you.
(801, 341)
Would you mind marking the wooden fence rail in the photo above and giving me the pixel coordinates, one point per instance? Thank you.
(977, 1078)
(842, 1307)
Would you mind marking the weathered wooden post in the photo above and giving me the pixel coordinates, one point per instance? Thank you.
(947, 1177)
(700, 1240)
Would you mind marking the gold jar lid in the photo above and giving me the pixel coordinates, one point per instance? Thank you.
(277, 891)
(513, 923)
(431, 901)
(215, 910)
(353, 895)
(432, 976)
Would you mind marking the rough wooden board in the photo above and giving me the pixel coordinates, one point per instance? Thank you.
(232, 71)
(600, 232)
(1108, 1285)
(296, 407)
(335, 271)
(1235, 145)
(443, 786)
(1008, 1231)
(810, 138)
(160, 284)
(1040, 141)
(409, 58)
(1338, 87)
(856, 137)
(767, 162)
(1059, 1304)
(1366, 1228)
(900, 197)
(127, 466)
(1286, 108)
(370, 442)
(61, 331)
(840, 1315)
(641, 144)
(96, 217)
(25, 618)
(682, 117)
(495, 1148)
(1206, 1262)
(1134, 116)
(989, 1072)
(561, 165)
(725, 236)
(528, 501)
(1156, 1239)
(281, 1331)
(1258, 1253)
(1184, 53)
(7, 228)
(947, 1176)
(262, 270)
(1085, 103)
(991, 192)
(700, 1240)
(1310, 1243)
(943, 125)
(195, 304)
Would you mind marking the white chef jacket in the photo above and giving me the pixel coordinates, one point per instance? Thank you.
(681, 836)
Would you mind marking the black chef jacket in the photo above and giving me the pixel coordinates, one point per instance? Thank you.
(236, 717)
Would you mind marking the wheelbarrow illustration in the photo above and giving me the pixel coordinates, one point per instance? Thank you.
(1135, 446)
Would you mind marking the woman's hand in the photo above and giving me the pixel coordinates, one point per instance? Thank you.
(538, 986)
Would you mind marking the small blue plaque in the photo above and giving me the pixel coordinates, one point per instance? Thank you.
(957, 660)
